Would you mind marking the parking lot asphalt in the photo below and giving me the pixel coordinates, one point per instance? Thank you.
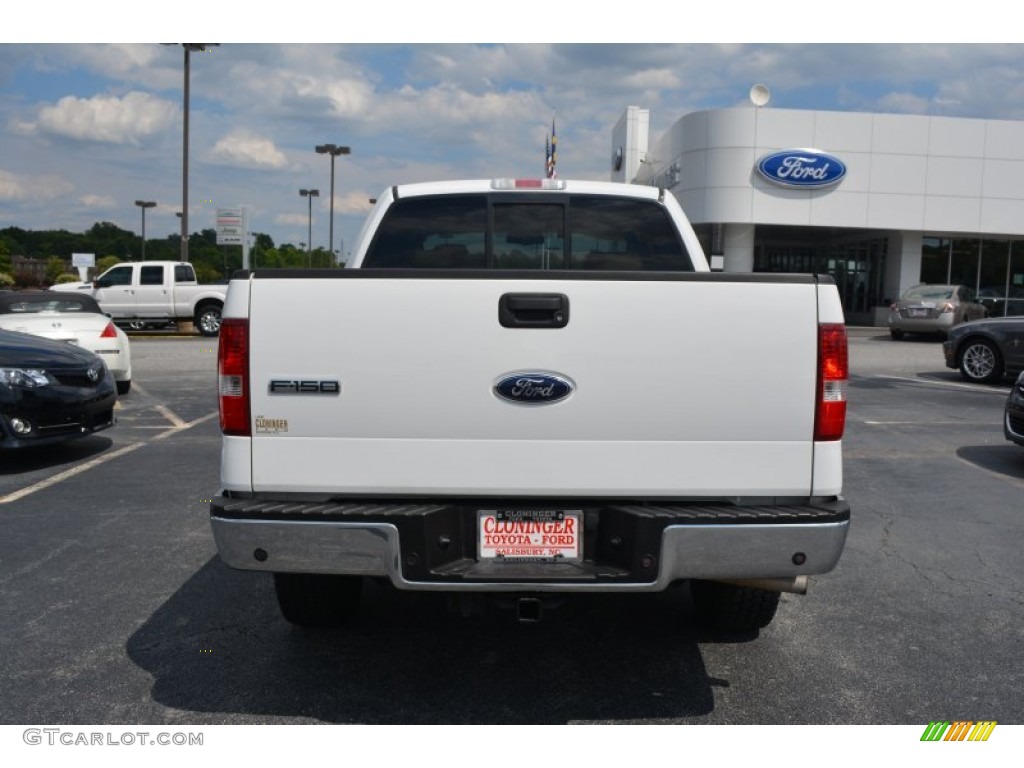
(116, 608)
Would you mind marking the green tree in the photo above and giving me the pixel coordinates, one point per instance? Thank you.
(105, 263)
(55, 267)
(206, 274)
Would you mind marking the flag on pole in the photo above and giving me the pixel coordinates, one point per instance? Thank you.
(552, 152)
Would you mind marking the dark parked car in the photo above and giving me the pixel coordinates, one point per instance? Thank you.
(1013, 420)
(51, 391)
(986, 350)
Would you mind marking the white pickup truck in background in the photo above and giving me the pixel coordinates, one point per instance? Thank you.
(530, 389)
(151, 292)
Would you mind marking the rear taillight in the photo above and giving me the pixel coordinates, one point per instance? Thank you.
(110, 332)
(833, 372)
(233, 377)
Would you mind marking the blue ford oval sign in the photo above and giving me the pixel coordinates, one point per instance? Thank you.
(533, 388)
(801, 168)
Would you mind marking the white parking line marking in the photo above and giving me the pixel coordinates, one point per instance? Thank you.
(171, 416)
(970, 387)
(123, 451)
(58, 478)
(188, 425)
(926, 423)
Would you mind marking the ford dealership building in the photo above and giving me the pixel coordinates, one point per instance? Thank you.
(881, 202)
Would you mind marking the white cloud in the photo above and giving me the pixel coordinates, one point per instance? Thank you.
(109, 119)
(353, 202)
(446, 110)
(120, 60)
(275, 81)
(292, 219)
(244, 149)
(653, 79)
(903, 103)
(15, 187)
(104, 202)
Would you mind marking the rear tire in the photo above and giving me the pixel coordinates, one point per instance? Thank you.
(733, 608)
(896, 333)
(318, 600)
(123, 387)
(208, 319)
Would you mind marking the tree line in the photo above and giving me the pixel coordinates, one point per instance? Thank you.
(111, 245)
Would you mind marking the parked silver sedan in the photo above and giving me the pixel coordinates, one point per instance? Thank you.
(933, 309)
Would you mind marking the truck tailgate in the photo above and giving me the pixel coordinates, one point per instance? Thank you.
(694, 385)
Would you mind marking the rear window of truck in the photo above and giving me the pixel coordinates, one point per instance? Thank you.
(588, 232)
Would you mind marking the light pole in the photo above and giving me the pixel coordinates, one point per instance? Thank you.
(310, 193)
(333, 150)
(144, 204)
(189, 48)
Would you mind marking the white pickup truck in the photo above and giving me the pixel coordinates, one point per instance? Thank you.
(152, 292)
(526, 388)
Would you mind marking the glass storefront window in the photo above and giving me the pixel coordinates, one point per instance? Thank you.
(935, 260)
(855, 259)
(1015, 288)
(995, 257)
(993, 268)
(963, 262)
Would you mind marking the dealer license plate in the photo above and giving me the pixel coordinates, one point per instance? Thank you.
(534, 535)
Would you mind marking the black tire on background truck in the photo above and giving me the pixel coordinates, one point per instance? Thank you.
(208, 318)
(733, 608)
(318, 600)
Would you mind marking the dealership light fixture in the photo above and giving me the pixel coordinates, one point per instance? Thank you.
(333, 150)
(310, 193)
(189, 49)
(144, 204)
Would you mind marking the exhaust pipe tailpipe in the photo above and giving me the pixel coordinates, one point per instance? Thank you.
(796, 585)
(529, 610)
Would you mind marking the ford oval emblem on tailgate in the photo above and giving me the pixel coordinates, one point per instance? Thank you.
(533, 388)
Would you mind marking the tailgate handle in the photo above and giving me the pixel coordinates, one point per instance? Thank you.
(533, 310)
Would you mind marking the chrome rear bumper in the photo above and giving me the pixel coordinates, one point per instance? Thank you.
(723, 551)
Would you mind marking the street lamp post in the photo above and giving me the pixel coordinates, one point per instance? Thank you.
(333, 150)
(144, 204)
(310, 193)
(189, 48)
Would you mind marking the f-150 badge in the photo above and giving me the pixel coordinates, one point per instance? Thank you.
(304, 387)
(533, 388)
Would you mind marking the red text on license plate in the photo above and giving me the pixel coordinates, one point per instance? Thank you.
(530, 534)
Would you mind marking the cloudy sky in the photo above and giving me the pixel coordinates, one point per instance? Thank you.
(86, 129)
